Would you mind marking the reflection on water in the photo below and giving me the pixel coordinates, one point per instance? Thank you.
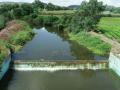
(64, 80)
(51, 44)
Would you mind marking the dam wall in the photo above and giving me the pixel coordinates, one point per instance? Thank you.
(60, 65)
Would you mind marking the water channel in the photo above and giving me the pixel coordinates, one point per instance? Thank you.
(50, 44)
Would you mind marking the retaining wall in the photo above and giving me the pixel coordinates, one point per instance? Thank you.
(114, 63)
(5, 66)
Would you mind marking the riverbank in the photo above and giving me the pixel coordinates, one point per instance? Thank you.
(92, 43)
(14, 36)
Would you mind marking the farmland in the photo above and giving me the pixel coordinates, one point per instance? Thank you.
(110, 26)
(60, 12)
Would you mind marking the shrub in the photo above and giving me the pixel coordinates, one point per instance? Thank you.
(2, 21)
(21, 37)
(3, 50)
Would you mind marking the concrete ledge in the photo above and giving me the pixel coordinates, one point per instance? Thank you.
(60, 65)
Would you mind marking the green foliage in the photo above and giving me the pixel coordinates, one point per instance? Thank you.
(3, 50)
(21, 37)
(58, 12)
(17, 40)
(2, 21)
(87, 16)
(18, 12)
(45, 20)
(92, 43)
(110, 26)
(27, 9)
(24, 35)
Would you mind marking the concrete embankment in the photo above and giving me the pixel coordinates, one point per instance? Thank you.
(5, 67)
(60, 65)
(114, 63)
(114, 57)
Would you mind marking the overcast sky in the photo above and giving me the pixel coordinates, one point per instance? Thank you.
(68, 2)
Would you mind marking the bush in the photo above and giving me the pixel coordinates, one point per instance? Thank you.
(3, 50)
(2, 21)
(21, 37)
(45, 20)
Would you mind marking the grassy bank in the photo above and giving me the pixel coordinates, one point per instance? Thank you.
(22, 36)
(92, 43)
(110, 26)
(16, 39)
(3, 51)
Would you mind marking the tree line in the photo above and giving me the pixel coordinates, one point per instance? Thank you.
(19, 10)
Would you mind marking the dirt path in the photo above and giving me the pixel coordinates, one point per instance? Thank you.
(11, 28)
(115, 45)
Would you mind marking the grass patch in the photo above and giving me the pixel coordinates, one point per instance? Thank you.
(110, 26)
(21, 38)
(92, 43)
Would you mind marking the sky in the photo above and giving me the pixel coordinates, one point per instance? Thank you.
(68, 2)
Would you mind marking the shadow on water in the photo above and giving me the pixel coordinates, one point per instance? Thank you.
(4, 83)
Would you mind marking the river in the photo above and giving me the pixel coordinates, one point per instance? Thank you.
(50, 44)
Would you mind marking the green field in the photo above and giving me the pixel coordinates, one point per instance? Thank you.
(59, 12)
(110, 26)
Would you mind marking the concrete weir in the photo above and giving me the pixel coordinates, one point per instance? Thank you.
(60, 65)
(114, 63)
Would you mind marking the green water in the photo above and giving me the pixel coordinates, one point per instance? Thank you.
(63, 80)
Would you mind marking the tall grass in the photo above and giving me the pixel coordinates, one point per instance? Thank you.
(3, 51)
(92, 43)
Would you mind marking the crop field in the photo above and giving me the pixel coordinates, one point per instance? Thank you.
(110, 26)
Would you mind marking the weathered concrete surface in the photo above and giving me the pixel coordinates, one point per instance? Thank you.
(5, 66)
(114, 63)
(114, 58)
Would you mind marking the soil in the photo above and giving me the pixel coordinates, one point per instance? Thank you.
(11, 28)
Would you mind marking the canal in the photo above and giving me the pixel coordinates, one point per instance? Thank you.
(50, 44)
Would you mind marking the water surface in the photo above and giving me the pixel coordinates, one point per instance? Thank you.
(64, 80)
(51, 44)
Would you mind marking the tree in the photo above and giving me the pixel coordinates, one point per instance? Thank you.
(87, 16)
(18, 12)
(2, 22)
(27, 9)
(38, 4)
